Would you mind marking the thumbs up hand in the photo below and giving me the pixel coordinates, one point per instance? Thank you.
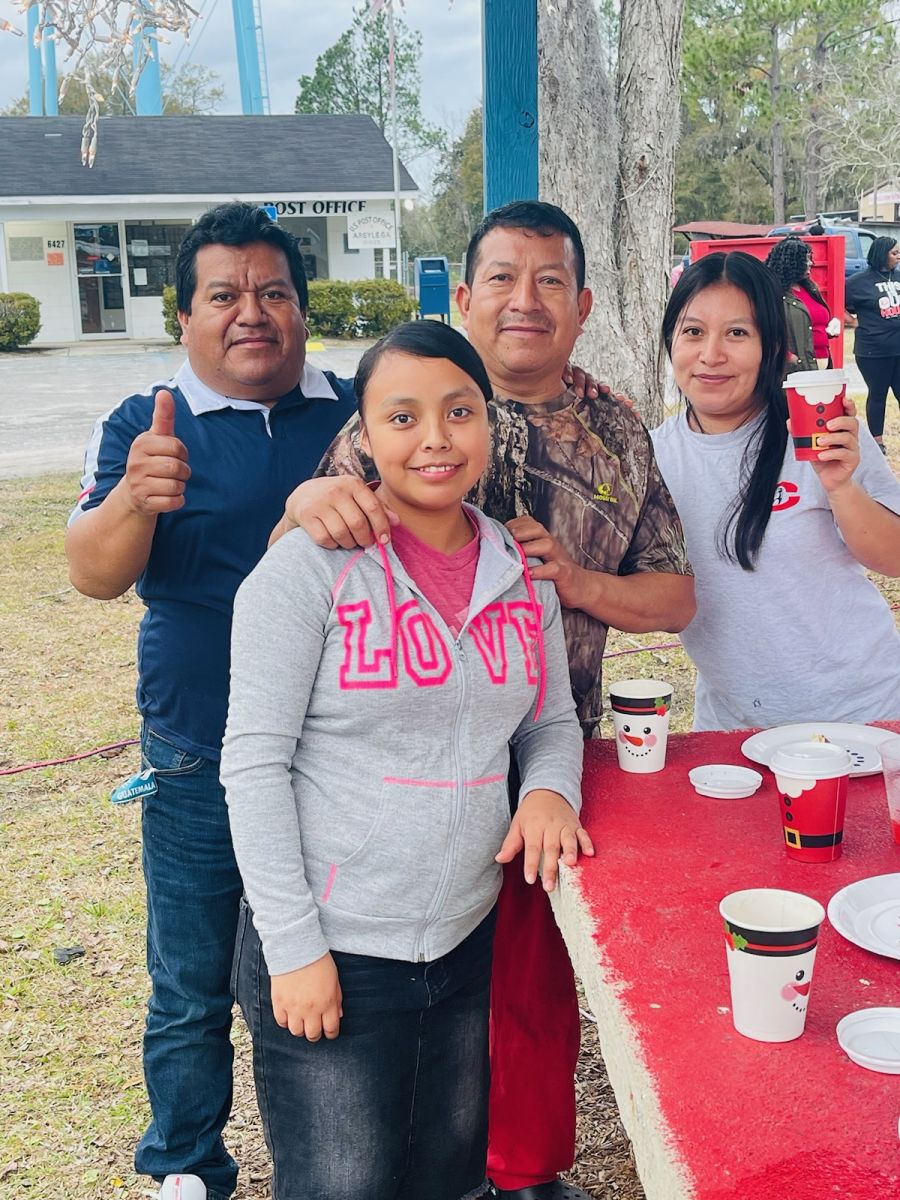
(157, 467)
(163, 414)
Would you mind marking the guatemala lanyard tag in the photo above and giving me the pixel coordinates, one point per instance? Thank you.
(135, 788)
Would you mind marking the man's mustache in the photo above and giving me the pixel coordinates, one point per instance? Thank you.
(543, 325)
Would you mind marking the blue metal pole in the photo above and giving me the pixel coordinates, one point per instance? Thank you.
(239, 40)
(509, 55)
(51, 84)
(148, 90)
(248, 56)
(35, 68)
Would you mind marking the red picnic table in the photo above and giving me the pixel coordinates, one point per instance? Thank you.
(713, 1115)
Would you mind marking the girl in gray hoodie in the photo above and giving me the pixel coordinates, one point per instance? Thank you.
(375, 695)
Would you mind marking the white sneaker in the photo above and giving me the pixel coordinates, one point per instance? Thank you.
(182, 1187)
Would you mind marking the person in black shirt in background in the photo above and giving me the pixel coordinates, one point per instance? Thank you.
(873, 297)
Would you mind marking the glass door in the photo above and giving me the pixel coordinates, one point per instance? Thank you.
(98, 263)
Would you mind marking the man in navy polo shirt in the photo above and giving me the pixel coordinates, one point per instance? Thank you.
(183, 485)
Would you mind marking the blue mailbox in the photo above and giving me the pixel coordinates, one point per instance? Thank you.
(433, 287)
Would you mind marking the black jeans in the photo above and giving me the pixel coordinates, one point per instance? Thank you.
(394, 1108)
(881, 375)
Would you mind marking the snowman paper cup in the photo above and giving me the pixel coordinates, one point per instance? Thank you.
(811, 779)
(770, 941)
(640, 709)
(813, 398)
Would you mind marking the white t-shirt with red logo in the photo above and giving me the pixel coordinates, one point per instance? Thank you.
(805, 636)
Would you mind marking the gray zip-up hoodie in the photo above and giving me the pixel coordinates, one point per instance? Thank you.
(366, 753)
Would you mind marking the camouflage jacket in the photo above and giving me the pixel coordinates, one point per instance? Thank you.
(586, 470)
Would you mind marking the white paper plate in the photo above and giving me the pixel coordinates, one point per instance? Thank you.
(867, 913)
(871, 1038)
(860, 741)
(724, 782)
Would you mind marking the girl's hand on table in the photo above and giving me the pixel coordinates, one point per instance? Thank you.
(545, 824)
(308, 1001)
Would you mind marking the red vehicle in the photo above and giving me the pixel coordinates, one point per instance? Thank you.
(828, 262)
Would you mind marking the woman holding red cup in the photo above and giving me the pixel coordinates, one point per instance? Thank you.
(788, 627)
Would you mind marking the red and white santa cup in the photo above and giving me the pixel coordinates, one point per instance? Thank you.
(640, 711)
(813, 398)
(811, 778)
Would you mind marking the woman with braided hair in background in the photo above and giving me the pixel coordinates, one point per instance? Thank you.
(809, 320)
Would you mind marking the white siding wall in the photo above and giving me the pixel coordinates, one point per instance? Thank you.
(51, 286)
(342, 265)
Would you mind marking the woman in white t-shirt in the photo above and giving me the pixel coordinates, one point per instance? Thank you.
(788, 626)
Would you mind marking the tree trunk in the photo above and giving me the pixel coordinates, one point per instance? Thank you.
(607, 156)
(777, 132)
(813, 149)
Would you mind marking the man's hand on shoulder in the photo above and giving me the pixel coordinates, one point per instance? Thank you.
(157, 470)
(557, 565)
(584, 384)
(337, 510)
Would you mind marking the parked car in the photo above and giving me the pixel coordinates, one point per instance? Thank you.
(857, 241)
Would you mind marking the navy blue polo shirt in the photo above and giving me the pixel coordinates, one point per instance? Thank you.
(245, 460)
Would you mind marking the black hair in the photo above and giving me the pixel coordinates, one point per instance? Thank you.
(423, 339)
(744, 528)
(878, 252)
(235, 224)
(789, 261)
(538, 217)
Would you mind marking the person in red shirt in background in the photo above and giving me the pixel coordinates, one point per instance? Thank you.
(790, 261)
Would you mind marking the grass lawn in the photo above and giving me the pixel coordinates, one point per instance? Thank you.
(71, 1089)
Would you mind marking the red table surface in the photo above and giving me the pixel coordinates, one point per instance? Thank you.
(797, 1120)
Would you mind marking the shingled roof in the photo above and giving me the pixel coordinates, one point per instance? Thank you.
(202, 156)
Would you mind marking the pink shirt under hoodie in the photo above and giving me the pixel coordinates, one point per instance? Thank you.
(445, 579)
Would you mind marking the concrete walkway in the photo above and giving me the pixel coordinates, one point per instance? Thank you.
(50, 399)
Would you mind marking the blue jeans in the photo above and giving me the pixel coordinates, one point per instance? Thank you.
(395, 1108)
(193, 894)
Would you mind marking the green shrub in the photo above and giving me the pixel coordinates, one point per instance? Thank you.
(170, 313)
(332, 312)
(20, 319)
(382, 304)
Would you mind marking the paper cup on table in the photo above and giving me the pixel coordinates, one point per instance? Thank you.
(812, 778)
(640, 709)
(770, 941)
(890, 764)
(813, 398)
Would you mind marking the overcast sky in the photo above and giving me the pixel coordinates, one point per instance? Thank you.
(296, 32)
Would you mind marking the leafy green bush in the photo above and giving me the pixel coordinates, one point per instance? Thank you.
(332, 312)
(20, 319)
(170, 313)
(382, 304)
